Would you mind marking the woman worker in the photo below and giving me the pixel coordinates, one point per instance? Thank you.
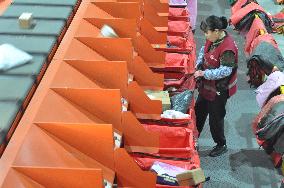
(217, 73)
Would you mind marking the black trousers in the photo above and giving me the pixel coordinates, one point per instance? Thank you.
(216, 110)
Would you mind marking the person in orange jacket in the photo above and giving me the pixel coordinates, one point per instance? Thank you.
(218, 78)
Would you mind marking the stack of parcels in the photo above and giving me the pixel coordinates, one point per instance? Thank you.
(171, 175)
(162, 96)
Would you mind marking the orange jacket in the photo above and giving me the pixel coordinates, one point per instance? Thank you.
(257, 28)
(241, 13)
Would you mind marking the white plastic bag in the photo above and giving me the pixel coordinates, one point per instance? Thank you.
(172, 114)
(178, 2)
(11, 56)
(274, 81)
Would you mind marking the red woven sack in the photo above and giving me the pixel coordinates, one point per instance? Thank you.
(178, 41)
(172, 137)
(145, 163)
(176, 60)
(180, 28)
(174, 12)
(181, 84)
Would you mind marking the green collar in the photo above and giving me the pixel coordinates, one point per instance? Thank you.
(218, 42)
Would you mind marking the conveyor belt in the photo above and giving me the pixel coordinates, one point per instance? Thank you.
(18, 84)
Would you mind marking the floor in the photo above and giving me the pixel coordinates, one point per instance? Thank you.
(244, 165)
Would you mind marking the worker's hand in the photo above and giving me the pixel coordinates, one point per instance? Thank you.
(198, 74)
(188, 75)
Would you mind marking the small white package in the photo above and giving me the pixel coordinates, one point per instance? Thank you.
(11, 56)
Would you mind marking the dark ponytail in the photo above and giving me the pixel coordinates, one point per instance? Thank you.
(224, 22)
(214, 22)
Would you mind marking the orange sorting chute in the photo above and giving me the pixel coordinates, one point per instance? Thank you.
(129, 174)
(21, 176)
